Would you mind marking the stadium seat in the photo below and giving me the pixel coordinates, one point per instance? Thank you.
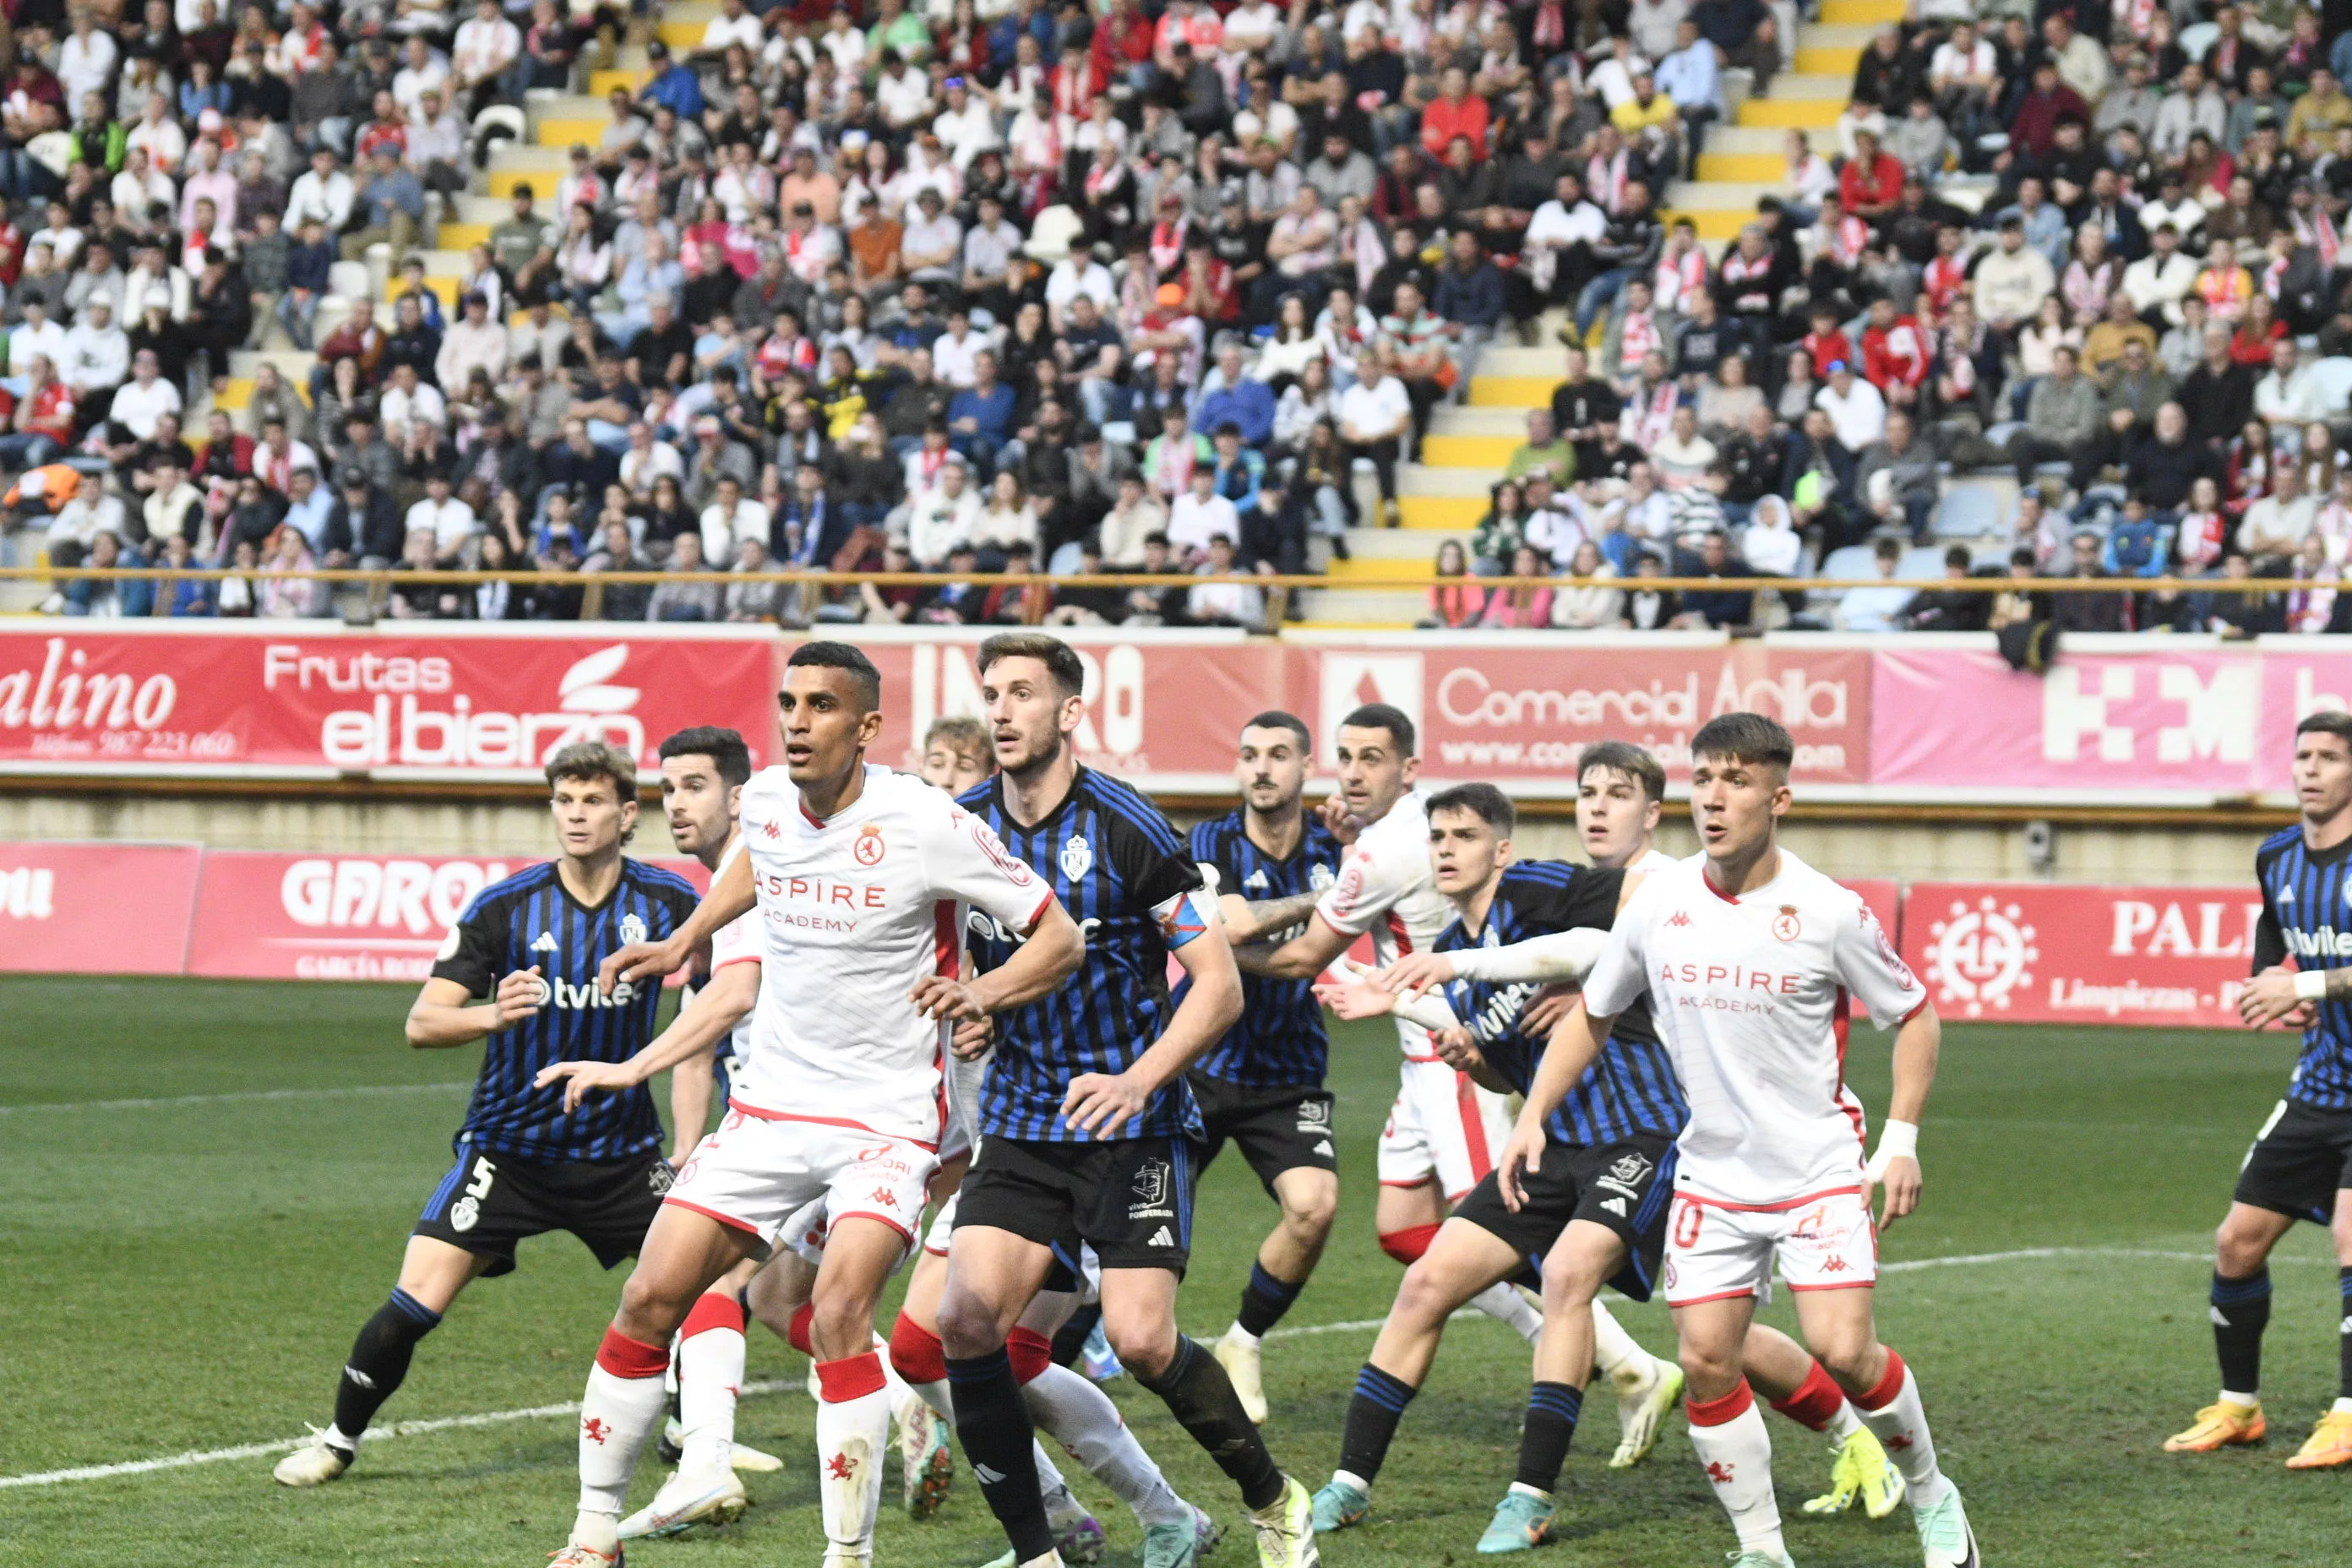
(1968, 512)
(1922, 561)
(1850, 561)
(2197, 39)
(2334, 376)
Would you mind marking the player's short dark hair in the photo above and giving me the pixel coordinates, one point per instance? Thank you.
(966, 734)
(1625, 757)
(1275, 718)
(1382, 716)
(1060, 660)
(597, 761)
(2326, 721)
(724, 747)
(1745, 738)
(1483, 801)
(822, 655)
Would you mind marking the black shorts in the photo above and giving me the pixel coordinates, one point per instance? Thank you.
(1130, 1200)
(1277, 1130)
(489, 1201)
(1627, 1187)
(2301, 1159)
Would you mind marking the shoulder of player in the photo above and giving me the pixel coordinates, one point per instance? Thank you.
(2276, 844)
(658, 878)
(521, 884)
(1122, 805)
(1216, 836)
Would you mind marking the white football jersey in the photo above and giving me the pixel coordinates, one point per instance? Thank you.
(737, 942)
(1385, 888)
(853, 912)
(1750, 995)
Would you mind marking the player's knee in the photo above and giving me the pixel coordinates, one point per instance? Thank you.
(1309, 1215)
(967, 1326)
(1711, 1370)
(647, 1312)
(2239, 1249)
(1855, 1359)
(1144, 1344)
(1569, 1283)
(1424, 1297)
(843, 1324)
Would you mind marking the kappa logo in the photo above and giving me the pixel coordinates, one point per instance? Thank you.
(1161, 1239)
(885, 1198)
(1786, 925)
(869, 849)
(633, 930)
(1679, 918)
(546, 942)
(1077, 857)
(1834, 1266)
(1979, 956)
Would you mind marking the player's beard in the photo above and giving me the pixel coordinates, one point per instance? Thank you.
(1044, 754)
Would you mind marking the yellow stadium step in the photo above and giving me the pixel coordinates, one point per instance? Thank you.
(1445, 514)
(1470, 451)
(1511, 392)
(238, 393)
(686, 37)
(462, 236)
(447, 288)
(1862, 12)
(1364, 568)
(570, 132)
(1746, 168)
(1715, 224)
(543, 183)
(1791, 113)
(1828, 60)
(603, 82)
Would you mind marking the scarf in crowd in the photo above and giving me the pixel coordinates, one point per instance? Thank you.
(1604, 180)
(2316, 229)
(1679, 279)
(1635, 340)
(1656, 420)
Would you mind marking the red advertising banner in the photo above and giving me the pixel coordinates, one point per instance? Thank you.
(263, 915)
(312, 699)
(2031, 952)
(96, 909)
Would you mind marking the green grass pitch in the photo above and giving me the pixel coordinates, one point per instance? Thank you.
(187, 1277)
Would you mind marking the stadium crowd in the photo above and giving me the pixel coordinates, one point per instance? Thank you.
(984, 286)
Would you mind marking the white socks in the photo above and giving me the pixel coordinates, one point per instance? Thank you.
(709, 1378)
(622, 1406)
(1083, 1419)
(1505, 1304)
(1736, 1451)
(853, 1427)
(1900, 1423)
(1614, 1354)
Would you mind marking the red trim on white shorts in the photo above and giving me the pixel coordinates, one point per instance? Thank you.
(1846, 1285)
(728, 1220)
(1768, 1208)
(763, 1115)
(1718, 1296)
(1416, 1182)
(1414, 1058)
(1473, 1127)
(832, 1225)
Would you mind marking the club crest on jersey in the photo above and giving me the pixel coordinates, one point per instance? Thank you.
(1077, 857)
(633, 928)
(1319, 876)
(463, 1214)
(659, 1178)
(1625, 1176)
(1786, 925)
(1150, 1189)
(869, 849)
(1314, 1116)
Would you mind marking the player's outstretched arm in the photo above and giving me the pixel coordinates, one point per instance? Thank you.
(1457, 1050)
(1303, 957)
(1050, 951)
(445, 1013)
(732, 895)
(1247, 921)
(1099, 1103)
(1895, 1167)
(718, 1007)
(1575, 1043)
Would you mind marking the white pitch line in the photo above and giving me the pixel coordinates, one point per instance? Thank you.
(172, 1102)
(1306, 1331)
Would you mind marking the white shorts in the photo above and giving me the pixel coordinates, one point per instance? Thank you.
(1714, 1250)
(1445, 1126)
(935, 1240)
(759, 1174)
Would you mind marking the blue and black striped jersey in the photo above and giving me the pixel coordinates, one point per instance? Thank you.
(1632, 1087)
(532, 919)
(1122, 871)
(1279, 1041)
(2307, 915)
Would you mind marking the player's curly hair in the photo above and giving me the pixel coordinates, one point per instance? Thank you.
(597, 761)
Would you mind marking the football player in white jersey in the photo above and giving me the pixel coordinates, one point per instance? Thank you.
(1748, 958)
(1620, 792)
(855, 871)
(1440, 1134)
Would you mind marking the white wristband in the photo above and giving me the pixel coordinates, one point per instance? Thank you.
(2311, 984)
(1896, 1140)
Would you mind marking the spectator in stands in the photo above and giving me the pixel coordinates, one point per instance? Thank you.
(2062, 417)
(1875, 609)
